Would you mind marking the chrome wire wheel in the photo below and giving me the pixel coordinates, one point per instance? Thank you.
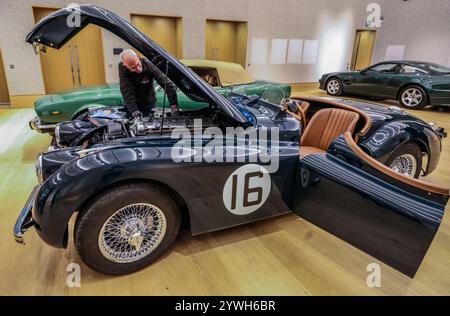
(412, 97)
(132, 233)
(333, 86)
(405, 164)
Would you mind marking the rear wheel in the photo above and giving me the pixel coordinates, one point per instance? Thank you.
(413, 97)
(334, 87)
(126, 228)
(407, 160)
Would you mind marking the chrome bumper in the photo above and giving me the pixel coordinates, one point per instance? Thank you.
(24, 221)
(36, 124)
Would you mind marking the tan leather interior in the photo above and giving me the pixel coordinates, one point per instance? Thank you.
(307, 150)
(337, 104)
(388, 171)
(324, 127)
(209, 79)
(305, 106)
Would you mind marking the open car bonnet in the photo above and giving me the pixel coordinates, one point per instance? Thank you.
(58, 28)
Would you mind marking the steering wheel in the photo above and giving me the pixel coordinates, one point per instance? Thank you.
(300, 115)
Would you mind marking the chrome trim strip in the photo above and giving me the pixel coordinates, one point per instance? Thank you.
(24, 221)
(35, 124)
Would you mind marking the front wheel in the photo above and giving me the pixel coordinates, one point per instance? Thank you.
(413, 97)
(334, 87)
(407, 160)
(126, 228)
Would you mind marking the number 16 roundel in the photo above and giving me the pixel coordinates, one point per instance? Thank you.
(246, 189)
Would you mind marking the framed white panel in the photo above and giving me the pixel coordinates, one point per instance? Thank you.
(394, 52)
(259, 51)
(310, 51)
(279, 50)
(295, 51)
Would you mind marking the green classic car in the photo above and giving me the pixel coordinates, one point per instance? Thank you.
(225, 77)
(414, 84)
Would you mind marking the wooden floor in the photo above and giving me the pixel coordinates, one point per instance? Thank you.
(282, 256)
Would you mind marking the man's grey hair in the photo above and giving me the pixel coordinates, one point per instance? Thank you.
(127, 52)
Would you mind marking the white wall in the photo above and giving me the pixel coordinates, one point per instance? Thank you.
(421, 25)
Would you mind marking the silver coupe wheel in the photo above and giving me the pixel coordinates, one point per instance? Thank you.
(333, 86)
(132, 233)
(412, 97)
(405, 164)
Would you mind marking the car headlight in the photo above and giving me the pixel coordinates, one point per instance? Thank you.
(58, 135)
(39, 170)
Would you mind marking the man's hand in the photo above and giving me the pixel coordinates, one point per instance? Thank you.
(174, 110)
(137, 114)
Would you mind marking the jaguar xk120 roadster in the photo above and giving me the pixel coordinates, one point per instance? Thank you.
(134, 186)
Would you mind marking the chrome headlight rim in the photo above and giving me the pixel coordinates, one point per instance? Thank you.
(39, 169)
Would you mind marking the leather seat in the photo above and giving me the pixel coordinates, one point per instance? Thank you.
(324, 127)
(210, 79)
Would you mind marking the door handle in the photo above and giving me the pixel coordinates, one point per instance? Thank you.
(71, 64)
(78, 64)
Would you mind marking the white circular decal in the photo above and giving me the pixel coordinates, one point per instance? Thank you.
(246, 189)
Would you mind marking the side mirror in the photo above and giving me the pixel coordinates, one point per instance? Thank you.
(363, 72)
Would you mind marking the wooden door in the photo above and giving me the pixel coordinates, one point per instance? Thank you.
(212, 40)
(363, 49)
(226, 41)
(58, 66)
(166, 31)
(88, 55)
(241, 43)
(4, 93)
(220, 40)
(78, 63)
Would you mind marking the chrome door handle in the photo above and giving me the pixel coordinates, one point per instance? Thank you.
(71, 64)
(78, 64)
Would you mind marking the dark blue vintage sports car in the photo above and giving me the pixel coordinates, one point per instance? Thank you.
(414, 84)
(134, 186)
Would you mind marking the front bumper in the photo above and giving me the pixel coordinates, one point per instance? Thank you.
(37, 125)
(25, 221)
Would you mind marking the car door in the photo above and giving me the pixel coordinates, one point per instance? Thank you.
(387, 215)
(369, 81)
(387, 83)
(404, 74)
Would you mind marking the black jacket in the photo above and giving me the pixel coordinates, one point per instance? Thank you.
(137, 88)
